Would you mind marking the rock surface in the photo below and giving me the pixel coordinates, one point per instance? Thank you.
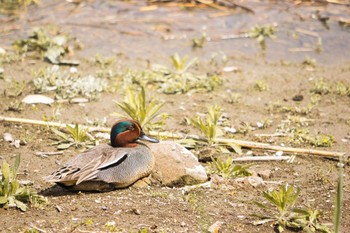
(175, 165)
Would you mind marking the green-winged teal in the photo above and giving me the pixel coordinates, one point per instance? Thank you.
(107, 167)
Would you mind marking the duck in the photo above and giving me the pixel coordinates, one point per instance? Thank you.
(108, 167)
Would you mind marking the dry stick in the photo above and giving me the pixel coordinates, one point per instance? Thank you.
(242, 143)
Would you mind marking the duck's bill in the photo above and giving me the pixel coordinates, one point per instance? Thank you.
(148, 138)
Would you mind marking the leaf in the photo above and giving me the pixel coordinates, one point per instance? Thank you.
(237, 148)
(260, 222)
(260, 205)
(64, 146)
(20, 205)
(5, 170)
(16, 166)
(3, 200)
(59, 133)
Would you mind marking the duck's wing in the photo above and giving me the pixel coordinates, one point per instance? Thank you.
(73, 174)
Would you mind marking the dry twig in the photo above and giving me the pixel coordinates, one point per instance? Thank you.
(242, 143)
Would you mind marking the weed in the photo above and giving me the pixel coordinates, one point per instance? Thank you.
(13, 6)
(135, 106)
(199, 42)
(104, 62)
(11, 193)
(320, 87)
(342, 89)
(180, 64)
(15, 88)
(208, 126)
(309, 62)
(308, 221)
(15, 106)
(260, 33)
(282, 200)
(261, 85)
(322, 140)
(67, 85)
(226, 169)
(50, 48)
(233, 98)
(77, 137)
(111, 227)
(173, 80)
(283, 215)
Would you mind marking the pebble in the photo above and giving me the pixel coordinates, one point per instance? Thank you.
(136, 211)
(215, 228)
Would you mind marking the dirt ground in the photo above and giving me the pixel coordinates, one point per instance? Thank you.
(259, 89)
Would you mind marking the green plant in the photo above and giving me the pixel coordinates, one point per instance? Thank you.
(77, 137)
(175, 80)
(233, 98)
(342, 89)
(11, 192)
(135, 106)
(260, 33)
(226, 169)
(208, 126)
(180, 64)
(320, 87)
(322, 140)
(261, 85)
(15, 89)
(50, 48)
(68, 85)
(199, 41)
(308, 221)
(282, 200)
(309, 62)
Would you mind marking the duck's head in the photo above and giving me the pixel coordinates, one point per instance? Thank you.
(125, 133)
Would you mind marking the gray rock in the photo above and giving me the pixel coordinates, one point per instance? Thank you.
(175, 165)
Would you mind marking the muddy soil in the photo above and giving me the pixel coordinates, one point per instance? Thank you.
(290, 69)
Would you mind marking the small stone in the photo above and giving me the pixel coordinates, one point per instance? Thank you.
(17, 143)
(59, 208)
(8, 137)
(265, 174)
(104, 207)
(298, 98)
(215, 228)
(37, 99)
(26, 182)
(279, 153)
(136, 211)
(182, 224)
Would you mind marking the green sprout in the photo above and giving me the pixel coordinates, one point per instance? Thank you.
(261, 85)
(180, 64)
(226, 169)
(320, 87)
(50, 48)
(260, 33)
(342, 89)
(209, 125)
(322, 140)
(11, 192)
(135, 106)
(78, 137)
(281, 200)
(199, 42)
